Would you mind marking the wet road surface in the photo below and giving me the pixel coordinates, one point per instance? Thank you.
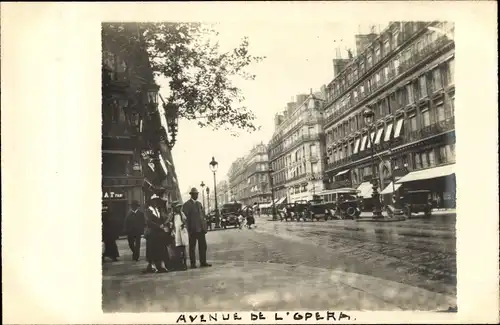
(344, 264)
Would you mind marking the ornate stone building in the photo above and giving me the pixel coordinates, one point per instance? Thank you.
(406, 76)
(136, 160)
(249, 177)
(295, 149)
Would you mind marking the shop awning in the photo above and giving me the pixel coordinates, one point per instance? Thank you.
(429, 173)
(356, 146)
(365, 190)
(281, 200)
(389, 189)
(342, 172)
(399, 126)
(388, 130)
(363, 143)
(379, 135)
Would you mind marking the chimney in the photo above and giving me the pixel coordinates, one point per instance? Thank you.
(339, 65)
(363, 41)
(290, 107)
(301, 98)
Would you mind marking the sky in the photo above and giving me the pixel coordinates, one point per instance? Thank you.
(298, 58)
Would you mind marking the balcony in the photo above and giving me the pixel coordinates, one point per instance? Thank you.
(433, 129)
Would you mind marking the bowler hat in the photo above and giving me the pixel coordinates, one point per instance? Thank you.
(193, 190)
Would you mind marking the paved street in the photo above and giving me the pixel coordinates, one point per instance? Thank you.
(338, 264)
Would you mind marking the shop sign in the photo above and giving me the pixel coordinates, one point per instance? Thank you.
(147, 154)
(113, 195)
(136, 166)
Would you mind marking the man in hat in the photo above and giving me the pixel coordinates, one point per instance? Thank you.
(197, 228)
(155, 239)
(134, 228)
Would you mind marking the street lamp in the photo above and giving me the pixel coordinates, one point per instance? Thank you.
(208, 198)
(202, 185)
(172, 115)
(377, 210)
(213, 167)
(270, 170)
(397, 210)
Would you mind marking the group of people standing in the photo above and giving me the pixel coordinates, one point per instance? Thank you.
(167, 234)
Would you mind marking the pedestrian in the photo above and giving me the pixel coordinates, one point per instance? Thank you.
(240, 220)
(181, 236)
(109, 234)
(155, 240)
(197, 228)
(168, 248)
(134, 228)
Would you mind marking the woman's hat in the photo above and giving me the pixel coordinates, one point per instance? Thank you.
(176, 204)
(194, 191)
(155, 197)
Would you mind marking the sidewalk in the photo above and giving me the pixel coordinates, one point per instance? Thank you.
(263, 286)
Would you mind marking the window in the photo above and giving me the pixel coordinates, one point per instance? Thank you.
(312, 149)
(387, 47)
(432, 158)
(355, 74)
(369, 62)
(409, 91)
(314, 167)
(422, 86)
(426, 118)
(418, 162)
(436, 79)
(369, 85)
(441, 116)
(386, 73)
(362, 66)
(377, 77)
(362, 90)
(396, 65)
(424, 158)
(413, 123)
(451, 72)
(355, 95)
(377, 54)
(450, 152)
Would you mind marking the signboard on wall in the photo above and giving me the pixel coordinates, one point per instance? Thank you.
(114, 194)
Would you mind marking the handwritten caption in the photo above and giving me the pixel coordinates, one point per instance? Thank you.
(260, 316)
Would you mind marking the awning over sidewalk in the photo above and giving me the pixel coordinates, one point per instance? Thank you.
(342, 172)
(281, 200)
(365, 190)
(429, 173)
(388, 189)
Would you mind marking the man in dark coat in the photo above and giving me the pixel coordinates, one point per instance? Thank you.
(197, 228)
(134, 228)
(109, 234)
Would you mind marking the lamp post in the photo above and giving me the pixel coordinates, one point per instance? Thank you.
(213, 167)
(377, 210)
(208, 198)
(202, 185)
(270, 170)
(397, 209)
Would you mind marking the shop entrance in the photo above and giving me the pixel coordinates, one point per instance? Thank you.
(118, 212)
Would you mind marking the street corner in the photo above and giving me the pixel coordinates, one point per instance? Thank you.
(264, 286)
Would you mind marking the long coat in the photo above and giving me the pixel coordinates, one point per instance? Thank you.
(195, 217)
(135, 223)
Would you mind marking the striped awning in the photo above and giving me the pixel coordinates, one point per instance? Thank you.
(365, 190)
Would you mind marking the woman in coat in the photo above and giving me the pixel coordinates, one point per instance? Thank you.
(180, 235)
(109, 234)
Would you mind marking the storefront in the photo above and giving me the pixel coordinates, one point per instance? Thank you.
(439, 180)
(118, 200)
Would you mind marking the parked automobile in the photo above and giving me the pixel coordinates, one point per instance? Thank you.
(342, 203)
(415, 201)
(301, 210)
(229, 214)
(317, 209)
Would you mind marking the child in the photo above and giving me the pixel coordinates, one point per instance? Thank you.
(181, 236)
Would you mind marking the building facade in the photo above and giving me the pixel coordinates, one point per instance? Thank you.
(249, 177)
(136, 161)
(406, 77)
(296, 148)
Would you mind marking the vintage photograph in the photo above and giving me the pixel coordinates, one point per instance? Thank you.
(278, 166)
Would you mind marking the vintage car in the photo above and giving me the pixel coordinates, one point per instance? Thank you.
(342, 203)
(301, 210)
(415, 201)
(229, 214)
(317, 209)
